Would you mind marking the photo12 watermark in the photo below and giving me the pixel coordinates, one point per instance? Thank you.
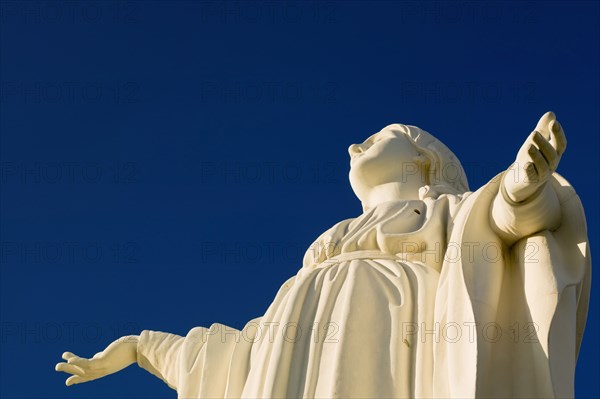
(68, 172)
(27, 332)
(269, 92)
(69, 92)
(38, 12)
(247, 12)
(470, 92)
(69, 252)
(269, 172)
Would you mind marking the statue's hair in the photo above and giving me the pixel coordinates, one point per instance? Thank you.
(444, 174)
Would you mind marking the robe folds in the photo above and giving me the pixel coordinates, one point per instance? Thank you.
(420, 298)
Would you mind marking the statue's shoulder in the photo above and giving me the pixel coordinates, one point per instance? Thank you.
(338, 229)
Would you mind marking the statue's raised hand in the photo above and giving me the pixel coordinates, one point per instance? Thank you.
(537, 159)
(115, 357)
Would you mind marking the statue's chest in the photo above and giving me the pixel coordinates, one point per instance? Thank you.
(413, 230)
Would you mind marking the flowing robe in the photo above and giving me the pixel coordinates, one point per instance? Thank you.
(368, 314)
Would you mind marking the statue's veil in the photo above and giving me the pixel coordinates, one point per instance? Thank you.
(446, 174)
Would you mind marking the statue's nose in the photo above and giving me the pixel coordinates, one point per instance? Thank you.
(355, 149)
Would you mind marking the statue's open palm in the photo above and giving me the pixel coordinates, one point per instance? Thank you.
(537, 159)
(115, 357)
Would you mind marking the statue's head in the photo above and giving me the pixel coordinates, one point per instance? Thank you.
(417, 164)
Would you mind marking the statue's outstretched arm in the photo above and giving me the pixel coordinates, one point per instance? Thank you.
(526, 204)
(155, 351)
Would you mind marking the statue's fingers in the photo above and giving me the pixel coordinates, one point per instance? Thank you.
(543, 125)
(78, 361)
(69, 368)
(75, 379)
(68, 355)
(541, 165)
(527, 143)
(531, 172)
(557, 137)
(547, 150)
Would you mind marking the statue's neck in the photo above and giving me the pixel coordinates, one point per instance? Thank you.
(390, 192)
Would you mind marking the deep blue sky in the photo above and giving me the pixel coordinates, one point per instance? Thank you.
(165, 165)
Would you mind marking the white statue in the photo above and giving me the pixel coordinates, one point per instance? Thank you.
(433, 291)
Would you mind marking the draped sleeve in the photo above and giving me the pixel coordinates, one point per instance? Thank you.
(208, 362)
(519, 309)
(157, 352)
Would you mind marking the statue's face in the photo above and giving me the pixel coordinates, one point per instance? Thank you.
(385, 157)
